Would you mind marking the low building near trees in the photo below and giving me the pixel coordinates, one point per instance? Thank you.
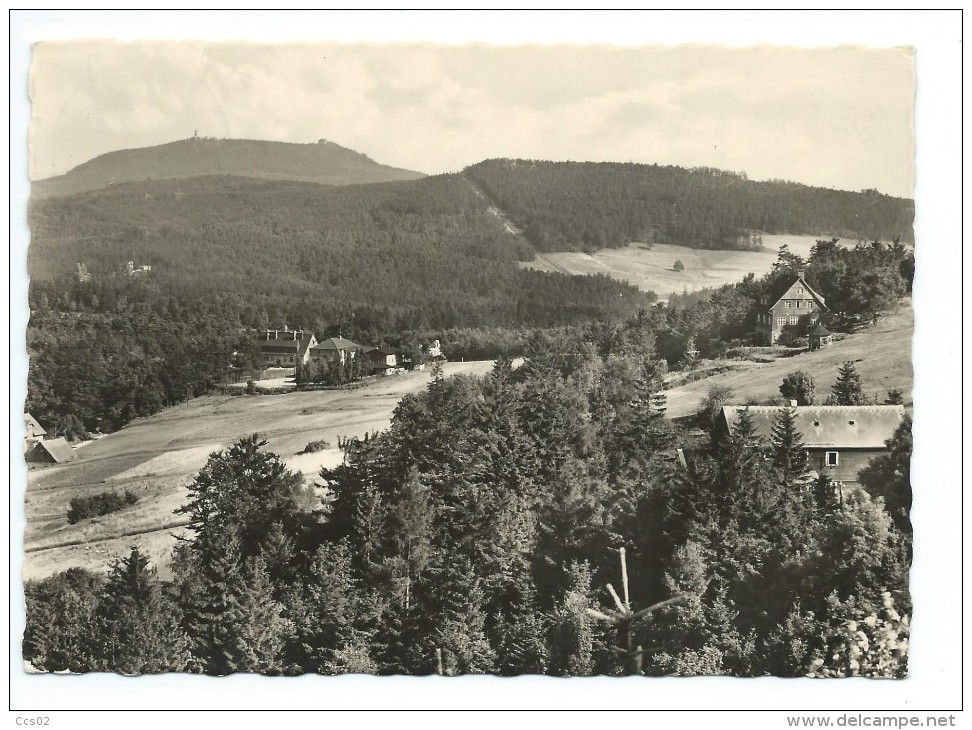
(818, 336)
(50, 451)
(840, 440)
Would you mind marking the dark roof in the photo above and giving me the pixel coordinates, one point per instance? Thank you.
(819, 331)
(32, 427)
(382, 352)
(58, 450)
(777, 292)
(286, 345)
(335, 343)
(852, 427)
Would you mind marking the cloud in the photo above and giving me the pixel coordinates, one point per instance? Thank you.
(837, 117)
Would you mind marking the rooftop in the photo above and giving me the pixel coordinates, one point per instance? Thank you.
(852, 427)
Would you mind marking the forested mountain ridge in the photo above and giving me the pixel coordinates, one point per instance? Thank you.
(324, 162)
(565, 206)
(376, 263)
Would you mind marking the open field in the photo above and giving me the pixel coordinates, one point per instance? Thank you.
(156, 457)
(882, 355)
(651, 270)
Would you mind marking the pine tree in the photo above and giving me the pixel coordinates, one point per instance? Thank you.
(250, 490)
(138, 627)
(261, 629)
(847, 390)
(571, 635)
(789, 456)
(460, 624)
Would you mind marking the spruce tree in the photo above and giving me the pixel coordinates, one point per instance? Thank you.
(571, 634)
(137, 625)
(847, 390)
(789, 456)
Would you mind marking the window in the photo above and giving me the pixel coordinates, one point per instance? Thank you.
(781, 321)
(794, 320)
(799, 304)
(799, 290)
(831, 458)
(786, 304)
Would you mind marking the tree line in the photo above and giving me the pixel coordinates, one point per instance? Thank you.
(585, 206)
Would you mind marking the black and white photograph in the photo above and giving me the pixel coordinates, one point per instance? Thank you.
(425, 359)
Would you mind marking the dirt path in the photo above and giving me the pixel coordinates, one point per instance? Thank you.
(156, 457)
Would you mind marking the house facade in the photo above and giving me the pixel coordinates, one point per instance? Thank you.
(335, 350)
(381, 361)
(792, 305)
(33, 432)
(840, 440)
(286, 348)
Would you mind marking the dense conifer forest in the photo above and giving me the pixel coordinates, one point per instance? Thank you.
(478, 534)
(585, 206)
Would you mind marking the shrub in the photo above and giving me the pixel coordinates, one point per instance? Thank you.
(99, 504)
(315, 446)
(679, 266)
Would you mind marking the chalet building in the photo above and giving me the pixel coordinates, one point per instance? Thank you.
(840, 440)
(51, 451)
(285, 348)
(33, 432)
(793, 304)
(335, 350)
(381, 361)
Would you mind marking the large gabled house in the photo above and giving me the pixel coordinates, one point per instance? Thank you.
(335, 350)
(840, 440)
(286, 348)
(792, 304)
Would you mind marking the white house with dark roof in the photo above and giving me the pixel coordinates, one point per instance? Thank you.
(840, 440)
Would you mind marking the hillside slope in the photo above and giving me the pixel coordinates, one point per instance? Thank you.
(585, 206)
(156, 457)
(325, 162)
(882, 356)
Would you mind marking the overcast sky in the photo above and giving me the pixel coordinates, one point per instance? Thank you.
(837, 117)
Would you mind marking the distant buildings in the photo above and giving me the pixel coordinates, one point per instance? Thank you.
(40, 450)
(286, 348)
(792, 305)
(840, 440)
